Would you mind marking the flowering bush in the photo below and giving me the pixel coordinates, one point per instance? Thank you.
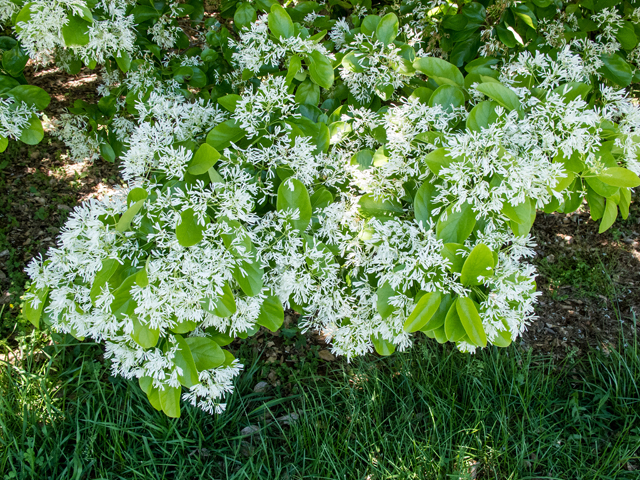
(338, 167)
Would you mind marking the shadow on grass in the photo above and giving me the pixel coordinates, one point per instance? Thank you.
(428, 413)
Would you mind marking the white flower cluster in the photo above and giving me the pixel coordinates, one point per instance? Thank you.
(73, 130)
(43, 32)
(14, 117)
(255, 48)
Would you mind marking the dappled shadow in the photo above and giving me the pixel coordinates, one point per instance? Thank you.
(590, 283)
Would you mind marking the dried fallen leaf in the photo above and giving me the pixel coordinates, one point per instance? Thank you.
(326, 355)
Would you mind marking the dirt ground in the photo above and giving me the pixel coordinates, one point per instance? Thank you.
(589, 282)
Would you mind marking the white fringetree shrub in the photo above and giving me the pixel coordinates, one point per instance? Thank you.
(376, 170)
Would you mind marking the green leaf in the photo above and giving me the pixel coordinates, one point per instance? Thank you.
(482, 116)
(170, 401)
(244, 16)
(526, 14)
(206, 353)
(387, 29)
(76, 32)
(609, 216)
(183, 359)
(32, 313)
(619, 177)
(123, 303)
(423, 203)
(230, 101)
(189, 232)
(321, 198)
(34, 133)
(458, 225)
(146, 384)
(627, 36)
(382, 346)
(625, 202)
(426, 307)
(31, 95)
(503, 339)
(123, 59)
(384, 293)
(596, 204)
(447, 96)
(471, 322)
(280, 22)
(154, 398)
(224, 134)
(271, 313)
(437, 319)
(125, 220)
(521, 213)
(292, 194)
(450, 252)
(478, 263)
(371, 207)
(320, 69)
(135, 195)
(205, 157)
(453, 328)
(501, 94)
(14, 61)
(143, 335)
(441, 71)
(308, 93)
(295, 64)
(249, 277)
(437, 160)
(616, 69)
(109, 267)
(4, 143)
(106, 151)
(224, 306)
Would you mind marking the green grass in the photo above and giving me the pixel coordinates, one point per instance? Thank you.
(428, 413)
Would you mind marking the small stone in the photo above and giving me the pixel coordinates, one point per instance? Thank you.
(250, 430)
(261, 387)
(40, 200)
(4, 253)
(64, 207)
(288, 419)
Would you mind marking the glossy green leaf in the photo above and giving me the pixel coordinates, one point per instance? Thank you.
(205, 157)
(441, 71)
(458, 225)
(31, 313)
(76, 31)
(224, 306)
(383, 294)
(438, 318)
(501, 94)
(320, 69)
(387, 28)
(423, 203)
(31, 95)
(244, 15)
(479, 263)
(183, 359)
(383, 347)
(280, 22)
(616, 69)
(482, 116)
(206, 353)
(609, 215)
(189, 231)
(230, 101)
(34, 133)
(224, 134)
(271, 313)
(144, 335)
(369, 206)
(293, 195)
(453, 328)
(125, 220)
(471, 322)
(426, 307)
(438, 159)
(170, 401)
(619, 177)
